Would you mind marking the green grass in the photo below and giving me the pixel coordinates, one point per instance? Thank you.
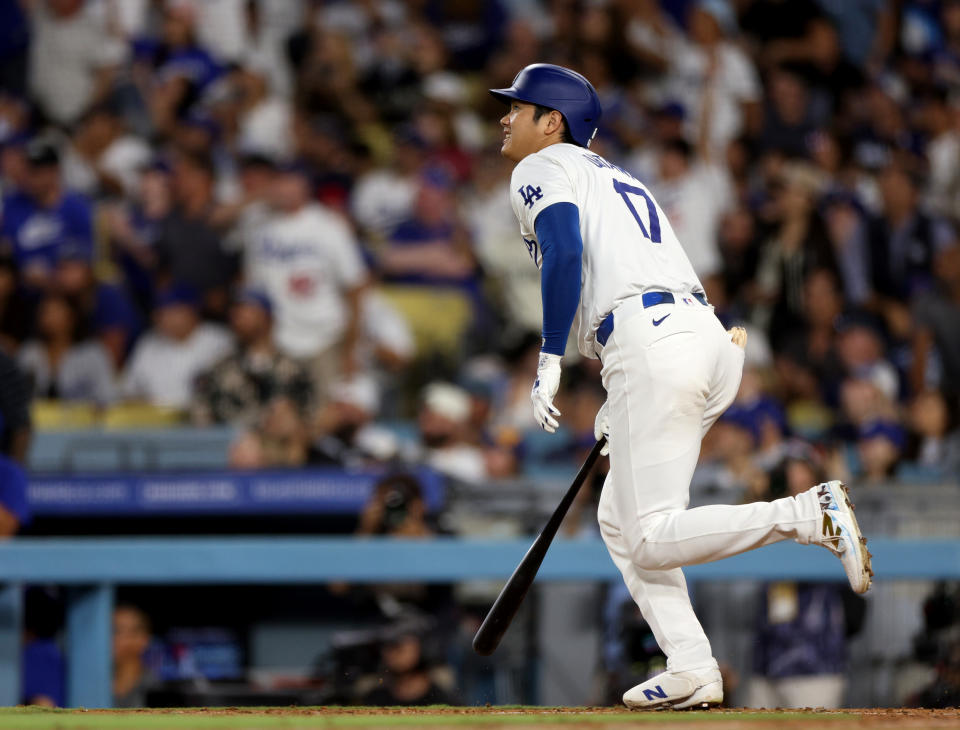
(31, 718)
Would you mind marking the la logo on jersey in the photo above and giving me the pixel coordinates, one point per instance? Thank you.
(530, 194)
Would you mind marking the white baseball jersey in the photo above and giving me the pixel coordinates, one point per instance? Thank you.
(629, 246)
(304, 262)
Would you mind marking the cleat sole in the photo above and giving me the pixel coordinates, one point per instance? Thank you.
(865, 555)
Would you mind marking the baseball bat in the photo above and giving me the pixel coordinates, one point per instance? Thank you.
(500, 615)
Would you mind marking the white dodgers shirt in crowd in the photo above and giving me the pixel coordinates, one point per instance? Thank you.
(628, 244)
(305, 261)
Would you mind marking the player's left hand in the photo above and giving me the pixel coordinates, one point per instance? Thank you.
(544, 390)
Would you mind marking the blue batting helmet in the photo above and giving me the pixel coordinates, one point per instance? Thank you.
(556, 87)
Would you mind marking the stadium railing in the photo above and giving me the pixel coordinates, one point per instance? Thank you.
(91, 568)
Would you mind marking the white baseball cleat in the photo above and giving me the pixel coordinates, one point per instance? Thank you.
(677, 690)
(840, 534)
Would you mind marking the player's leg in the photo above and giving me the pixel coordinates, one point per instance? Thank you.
(692, 677)
(662, 399)
(676, 414)
(661, 596)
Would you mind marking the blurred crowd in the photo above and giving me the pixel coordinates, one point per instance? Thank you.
(290, 216)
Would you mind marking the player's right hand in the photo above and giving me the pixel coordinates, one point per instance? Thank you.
(544, 390)
(601, 427)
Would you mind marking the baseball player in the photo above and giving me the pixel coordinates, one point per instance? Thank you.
(606, 251)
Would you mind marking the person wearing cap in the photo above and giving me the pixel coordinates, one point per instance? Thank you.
(39, 220)
(347, 434)
(443, 421)
(168, 358)
(238, 388)
(306, 260)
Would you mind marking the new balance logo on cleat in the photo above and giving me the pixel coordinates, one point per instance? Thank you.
(656, 692)
(829, 528)
(824, 496)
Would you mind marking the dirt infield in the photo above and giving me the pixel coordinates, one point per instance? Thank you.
(440, 718)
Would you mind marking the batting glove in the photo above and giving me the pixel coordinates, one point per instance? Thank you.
(544, 389)
(601, 427)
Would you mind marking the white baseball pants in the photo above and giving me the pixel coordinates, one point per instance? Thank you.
(666, 385)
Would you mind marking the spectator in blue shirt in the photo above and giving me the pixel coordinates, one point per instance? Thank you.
(44, 217)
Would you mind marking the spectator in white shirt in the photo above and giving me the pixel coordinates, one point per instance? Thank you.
(73, 57)
(167, 360)
(712, 60)
(694, 194)
(305, 258)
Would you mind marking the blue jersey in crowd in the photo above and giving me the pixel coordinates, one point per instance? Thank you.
(37, 234)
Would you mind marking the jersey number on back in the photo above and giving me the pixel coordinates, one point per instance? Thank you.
(625, 189)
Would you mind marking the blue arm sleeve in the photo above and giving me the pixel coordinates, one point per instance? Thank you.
(558, 232)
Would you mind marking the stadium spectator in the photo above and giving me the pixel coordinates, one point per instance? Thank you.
(180, 68)
(42, 665)
(190, 249)
(936, 315)
(264, 120)
(239, 387)
(802, 631)
(708, 52)
(695, 194)
(63, 362)
(103, 157)
(383, 194)
(904, 240)
(102, 306)
(488, 212)
(797, 245)
(280, 439)
(396, 507)
(409, 678)
(346, 431)
(432, 247)
(935, 436)
(133, 228)
(848, 230)
(937, 121)
(168, 358)
(74, 57)
(44, 217)
(306, 260)
(443, 421)
(132, 679)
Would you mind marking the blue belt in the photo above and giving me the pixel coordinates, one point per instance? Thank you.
(650, 299)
